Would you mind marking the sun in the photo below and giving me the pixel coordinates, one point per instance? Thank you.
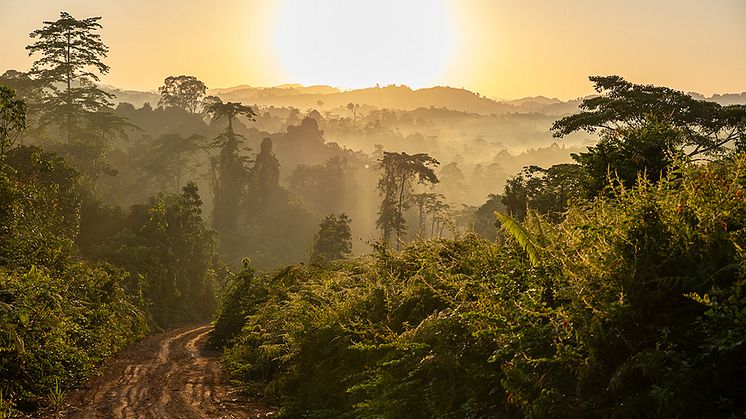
(352, 43)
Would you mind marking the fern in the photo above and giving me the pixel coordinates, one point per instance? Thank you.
(520, 235)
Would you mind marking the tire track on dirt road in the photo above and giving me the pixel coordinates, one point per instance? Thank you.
(167, 375)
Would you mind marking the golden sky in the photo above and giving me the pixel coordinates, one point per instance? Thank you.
(500, 48)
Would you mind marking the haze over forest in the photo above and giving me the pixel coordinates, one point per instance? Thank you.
(430, 208)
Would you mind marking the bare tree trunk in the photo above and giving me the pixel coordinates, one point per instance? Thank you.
(68, 100)
(400, 218)
(421, 225)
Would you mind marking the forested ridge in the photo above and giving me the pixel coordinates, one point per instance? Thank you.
(598, 281)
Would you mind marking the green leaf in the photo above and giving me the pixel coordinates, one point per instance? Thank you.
(520, 235)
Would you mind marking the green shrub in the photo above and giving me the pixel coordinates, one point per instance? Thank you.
(57, 327)
(59, 317)
(633, 307)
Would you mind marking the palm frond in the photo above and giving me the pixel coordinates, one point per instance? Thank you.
(520, 235)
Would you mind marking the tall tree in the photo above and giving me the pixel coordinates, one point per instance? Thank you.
(400, 170)
(708, 128)
(353, 107)
(266, 174)
(184, 92)
(230, 173)
(12, 118)
(71, 53)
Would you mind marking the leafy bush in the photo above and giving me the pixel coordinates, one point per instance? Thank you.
(59, 317)
(56, 327)
(167, 243)
(633, 308)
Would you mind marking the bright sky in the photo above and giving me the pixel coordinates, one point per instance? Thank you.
(500, 48)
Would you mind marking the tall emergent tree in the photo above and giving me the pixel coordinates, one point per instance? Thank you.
(12, 118)
(266, 175)
(230, 173)
(395, 186)
(184, 92)
(333, 241)
(643, 128)
(71, 53)
(707, 127)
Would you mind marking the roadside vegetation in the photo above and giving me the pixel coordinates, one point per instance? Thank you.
(632, 307)
(367, 283)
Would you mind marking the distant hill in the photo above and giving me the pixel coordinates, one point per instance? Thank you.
(135, 97)
(281, 90)
(392, 97)
(724, 99)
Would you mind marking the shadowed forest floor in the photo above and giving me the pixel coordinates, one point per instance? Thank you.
(166, 375)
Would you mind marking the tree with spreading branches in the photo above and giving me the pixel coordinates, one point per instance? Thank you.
(230, 171)
(69, 67)
(183, 92)
(705, 129)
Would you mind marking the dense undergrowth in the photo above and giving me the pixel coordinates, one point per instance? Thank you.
(70, 300)
(634, 307)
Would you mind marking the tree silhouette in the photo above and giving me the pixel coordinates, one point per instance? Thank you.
(333, 240)
(399, 172)
(353, 107)
(184, 92)
(266, 174)
(707, 127)
(230, 173)
(218, 109)
(548, 191)
(71, 53)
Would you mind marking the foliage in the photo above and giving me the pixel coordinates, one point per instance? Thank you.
(183, 92)
(39, 209)
(333, 240)
(27, 88)
(399, 170)
(707, 128)
(167, 244)
(12, 118)
(626, 153)
(57, 326)
(633, 307)
(71, 53)
(548, 191)
(59, 317)
(521, 236)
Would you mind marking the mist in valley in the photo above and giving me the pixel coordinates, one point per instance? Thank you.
(382, 250)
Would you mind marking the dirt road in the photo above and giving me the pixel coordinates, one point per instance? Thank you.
(167, 375)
